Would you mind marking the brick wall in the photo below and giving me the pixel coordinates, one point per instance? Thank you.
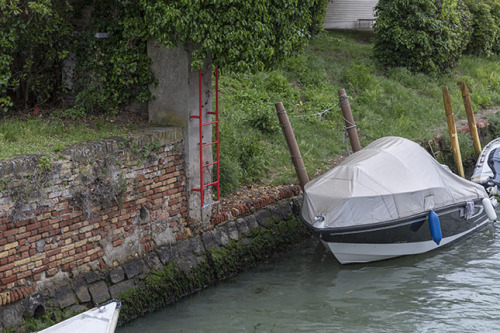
(90, 207)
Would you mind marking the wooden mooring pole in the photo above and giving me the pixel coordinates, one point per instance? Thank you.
(470, 118)
(298, 163)
(450, 119)
(349, 121)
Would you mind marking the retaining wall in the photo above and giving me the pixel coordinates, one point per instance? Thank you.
(89, 208)
(108, 219)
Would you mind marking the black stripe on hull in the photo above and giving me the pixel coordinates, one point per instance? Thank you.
(409, 230)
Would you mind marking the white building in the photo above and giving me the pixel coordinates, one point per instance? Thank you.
(350, 14)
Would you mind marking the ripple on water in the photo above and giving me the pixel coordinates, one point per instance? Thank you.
(456, 288)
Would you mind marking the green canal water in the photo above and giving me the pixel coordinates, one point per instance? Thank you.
(453, 289)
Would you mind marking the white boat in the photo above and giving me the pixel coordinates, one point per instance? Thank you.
(102, 319)
(487, 169)
(391, 199)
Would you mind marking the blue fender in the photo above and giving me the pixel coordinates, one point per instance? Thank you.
(435, 227)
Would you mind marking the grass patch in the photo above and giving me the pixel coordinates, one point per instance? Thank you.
(393, 102)
(253, 151)
(51, 135)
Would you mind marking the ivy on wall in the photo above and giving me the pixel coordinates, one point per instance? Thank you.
(236, 34)
(35, 37)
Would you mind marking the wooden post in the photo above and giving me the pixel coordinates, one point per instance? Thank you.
(470, 118)
(298, 163)
(349, 121)
(450, 119)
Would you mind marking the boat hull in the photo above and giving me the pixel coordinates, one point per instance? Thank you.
(402, 237)
(102, 319)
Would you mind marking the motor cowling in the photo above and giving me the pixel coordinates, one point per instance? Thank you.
(494, 164)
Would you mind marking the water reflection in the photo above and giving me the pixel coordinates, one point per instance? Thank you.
(453, 289)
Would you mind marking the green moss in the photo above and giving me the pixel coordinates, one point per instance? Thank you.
(162, 287)
(168, 285)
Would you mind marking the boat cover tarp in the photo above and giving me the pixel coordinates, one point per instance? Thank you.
(391, 178)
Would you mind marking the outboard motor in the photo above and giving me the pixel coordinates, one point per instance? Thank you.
(494, 164)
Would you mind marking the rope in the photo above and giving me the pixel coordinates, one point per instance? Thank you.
(343, 97)
(344, 139)
(318, 114)
(348, 127)
(210, 204)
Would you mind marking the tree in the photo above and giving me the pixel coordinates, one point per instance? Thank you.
(33, 41)
(485, 38)
(236, 34)
(423, 35)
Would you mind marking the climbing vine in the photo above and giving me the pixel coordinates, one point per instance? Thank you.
(34, 39)
(104, 44)
(236, 34)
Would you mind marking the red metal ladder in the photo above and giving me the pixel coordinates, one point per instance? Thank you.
(216, 142)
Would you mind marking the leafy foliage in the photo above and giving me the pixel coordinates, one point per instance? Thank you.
(35, 37)
(358, 76)
(111, 71)
(485, 27)
(236, 34)
(318, 13)
(33, 41)
(423, 35)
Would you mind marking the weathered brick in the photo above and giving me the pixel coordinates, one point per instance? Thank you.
(22, 261)
(68, 247)
(10, 232)
(24, 274)
(9, 279)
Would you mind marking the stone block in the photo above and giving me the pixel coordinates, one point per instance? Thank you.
(40, 245)
(11, 315)
(91, 277)
(297, 204)
(166, 254)
(245, 241)
(184, 249)
(252, 222)
(81, 291)
(74, 310)
(117, 289)
(99, 292)
(285, 209)
(196, 245)
(187, 263)
(153, 261)
(34, 303)
(208, 240)
(220, 236)
(242, 226)
(133, 268)
(232, 231)
(64, 297)
(262, 217)
(116, 275)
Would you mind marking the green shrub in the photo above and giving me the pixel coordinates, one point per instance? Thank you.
(495, 12)
(485, 27)
(423, 35)
(114, 71)
(263, 118)
(318, 14)
(357, 76)
(33, 41)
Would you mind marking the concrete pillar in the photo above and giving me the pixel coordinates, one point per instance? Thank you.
(175, 100)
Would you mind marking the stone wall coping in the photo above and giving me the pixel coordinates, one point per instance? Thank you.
(92, 150)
